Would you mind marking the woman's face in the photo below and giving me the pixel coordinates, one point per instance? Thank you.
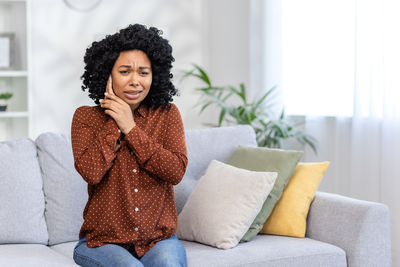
(132, 77)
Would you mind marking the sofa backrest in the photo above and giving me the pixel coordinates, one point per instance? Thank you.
(21, 194)
(64, 189)
(64, 193)
(204, 145)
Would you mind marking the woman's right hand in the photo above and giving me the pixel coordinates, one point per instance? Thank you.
(118, 109)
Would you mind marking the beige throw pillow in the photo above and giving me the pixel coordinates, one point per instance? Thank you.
(224, 204)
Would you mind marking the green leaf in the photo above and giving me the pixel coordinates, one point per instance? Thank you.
(6, 95)
(221, 116)
(262, 99)
(282, 116)
(243, 92)
(203, 75)
(205, 106)
(237, 92)
(218, 101)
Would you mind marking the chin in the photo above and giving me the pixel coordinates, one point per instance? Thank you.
(133, 102)
(136, 101)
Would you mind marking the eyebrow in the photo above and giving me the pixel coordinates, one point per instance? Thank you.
(129, 67)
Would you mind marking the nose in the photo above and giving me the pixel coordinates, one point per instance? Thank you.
(134, 79)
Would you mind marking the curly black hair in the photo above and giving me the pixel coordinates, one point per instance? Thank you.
(100, 58)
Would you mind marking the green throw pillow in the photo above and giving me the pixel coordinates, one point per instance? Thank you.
(267, 160)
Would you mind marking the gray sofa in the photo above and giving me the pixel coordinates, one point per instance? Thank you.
(42, 199)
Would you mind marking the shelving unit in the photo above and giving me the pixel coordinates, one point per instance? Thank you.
(15, 121)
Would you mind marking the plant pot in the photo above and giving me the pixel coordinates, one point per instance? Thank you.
(3, 107)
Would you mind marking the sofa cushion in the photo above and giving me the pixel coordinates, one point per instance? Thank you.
(21, 196)
(290, 213)
(223, 205)
(264, 159)
(64, 188)
(66, 249)
(33, 255)
(204, 145)
(263, 250)
(267, 250)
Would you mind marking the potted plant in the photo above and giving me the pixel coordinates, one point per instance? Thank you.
(270, 130)
(4, 97)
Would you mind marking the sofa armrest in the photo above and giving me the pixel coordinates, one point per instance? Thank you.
(360, 228)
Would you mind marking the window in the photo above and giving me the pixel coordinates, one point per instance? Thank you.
(318, 56)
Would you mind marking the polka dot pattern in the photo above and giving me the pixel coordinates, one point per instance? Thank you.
(130, 185)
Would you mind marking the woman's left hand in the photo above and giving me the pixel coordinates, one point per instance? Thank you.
(118, 109)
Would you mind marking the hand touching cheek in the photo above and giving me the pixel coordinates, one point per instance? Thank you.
(118, 109)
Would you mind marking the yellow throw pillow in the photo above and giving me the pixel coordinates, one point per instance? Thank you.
(289, 215)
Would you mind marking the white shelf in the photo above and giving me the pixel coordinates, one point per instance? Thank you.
(13, 73)
(14, 18)
(13, 114)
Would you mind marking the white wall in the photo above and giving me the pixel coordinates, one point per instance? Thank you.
(227, 55)
(213, 34)
(228, 49)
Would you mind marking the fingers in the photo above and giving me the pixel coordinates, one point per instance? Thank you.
(112, 102)
(111, 113)
(112, 97)
(109, 88)
(108, 84)
(109, 94)
(107, 103)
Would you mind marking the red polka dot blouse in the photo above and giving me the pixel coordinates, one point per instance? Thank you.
(130, 178)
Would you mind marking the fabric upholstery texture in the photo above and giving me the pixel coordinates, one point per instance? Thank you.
(268, 250)
(223, 205)
(290, 213)
(270, 160)
(33, 255)
(21, 195)
(361, 228)
(264, 250)
(65, 190)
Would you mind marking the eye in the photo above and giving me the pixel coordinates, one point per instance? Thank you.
(123, 71)
(144, 73)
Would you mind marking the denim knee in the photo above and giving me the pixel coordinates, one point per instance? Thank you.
(167, 260)
(163, 257)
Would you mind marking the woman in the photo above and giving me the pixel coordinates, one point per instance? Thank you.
(131, 151)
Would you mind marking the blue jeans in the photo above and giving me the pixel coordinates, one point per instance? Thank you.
(168, 252)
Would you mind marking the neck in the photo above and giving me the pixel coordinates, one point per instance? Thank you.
(134, 106)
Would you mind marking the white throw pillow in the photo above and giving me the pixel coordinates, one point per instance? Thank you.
(224, 204)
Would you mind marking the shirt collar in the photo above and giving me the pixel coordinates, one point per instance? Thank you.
(142, 110)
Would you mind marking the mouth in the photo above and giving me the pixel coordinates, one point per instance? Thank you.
(132, 94)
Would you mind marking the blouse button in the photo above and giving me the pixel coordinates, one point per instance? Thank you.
(136, 190)
(134, 170)
(119, 130)
(131, 152)
(136, 229)
(136, 209)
